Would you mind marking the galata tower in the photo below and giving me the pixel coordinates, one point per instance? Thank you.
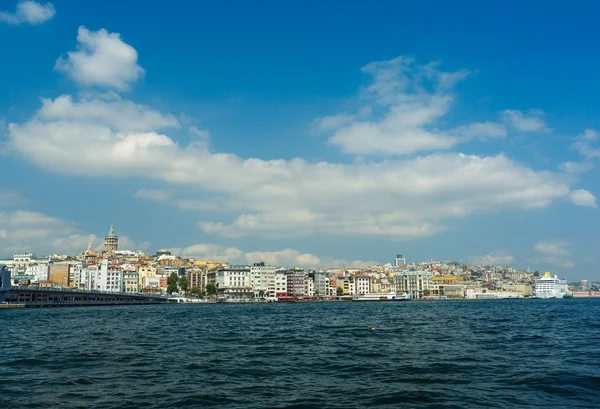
(111, 242)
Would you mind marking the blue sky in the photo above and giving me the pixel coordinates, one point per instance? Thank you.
(303, 133)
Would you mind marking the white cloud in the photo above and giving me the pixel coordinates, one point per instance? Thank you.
(576, 167)
(285, 258)
(349, 264)
(158, 195)
(24, 230)
(584, 144)
(582, 197)
(400, 199)
(553, 253)
(496, 258)
(202, 136)
(29, 12)
(102, 59)
(400, 112)
(118, 115)
(480, 130)
(9, 197)
(533, 121)
(103, 135)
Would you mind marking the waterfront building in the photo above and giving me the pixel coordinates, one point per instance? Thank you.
(61, 274)
(362, 285)
(295, 282)
(234, 283)
(450, 291)
(198, 278)
(111, 241)
(100, 278)
(263, 280)
(131, 282)
(416, 283)
(322, 284)
(309, 285)
(280, 283)
(346, 285)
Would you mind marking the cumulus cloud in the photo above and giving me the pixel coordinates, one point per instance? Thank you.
(29, 12)
(24, 230)
(582, 197)
(400, 110)
(400, 199)
(102, 59)
(285, 258)
(532, 121)
(118, 115)
(495, 258)
(553, 253)
(102, 135)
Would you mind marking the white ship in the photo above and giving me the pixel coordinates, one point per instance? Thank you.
(550, 287)
(391, 296)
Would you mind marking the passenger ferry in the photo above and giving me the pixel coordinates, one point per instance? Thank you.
(391, 296)
(550, 287)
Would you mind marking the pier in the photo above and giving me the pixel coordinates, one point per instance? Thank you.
(34, 296)
(61, 297)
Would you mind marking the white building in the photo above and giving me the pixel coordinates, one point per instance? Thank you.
(263, 280)
(417, 283)
(362, 285)
(99, 278)
(28, 264)
(131, 283)
(322, 284)
(234, 283)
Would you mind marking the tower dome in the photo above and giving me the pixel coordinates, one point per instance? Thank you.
(111, 241)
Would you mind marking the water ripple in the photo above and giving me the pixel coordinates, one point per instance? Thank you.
(513, 354)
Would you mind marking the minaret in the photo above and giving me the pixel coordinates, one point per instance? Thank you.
(111, 242)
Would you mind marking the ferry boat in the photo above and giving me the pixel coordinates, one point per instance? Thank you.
(550, 287)
(391, 296)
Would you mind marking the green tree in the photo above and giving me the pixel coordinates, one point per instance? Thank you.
(426, 292)
(261, 293)
(536, 273)
(211, 289)
(195, 290)
(183, 283)
(339, 291)
(172, 288)
(173, 278)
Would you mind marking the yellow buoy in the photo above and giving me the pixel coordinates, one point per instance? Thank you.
(372, 329)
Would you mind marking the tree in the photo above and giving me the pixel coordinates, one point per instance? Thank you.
(211, 289)
(183, 283)
(173, 278)
(536, 273)
(195, 290)
(172, 288)
(339, 291)
(426, 292)
(261, 293)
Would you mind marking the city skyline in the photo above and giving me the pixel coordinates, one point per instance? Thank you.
(230, 142)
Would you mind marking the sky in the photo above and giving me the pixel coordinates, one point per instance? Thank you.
(311, 133)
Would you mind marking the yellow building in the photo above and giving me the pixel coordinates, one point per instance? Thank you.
(447, 279)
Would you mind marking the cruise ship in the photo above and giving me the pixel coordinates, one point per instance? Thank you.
(391, 296)
(550, 287)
